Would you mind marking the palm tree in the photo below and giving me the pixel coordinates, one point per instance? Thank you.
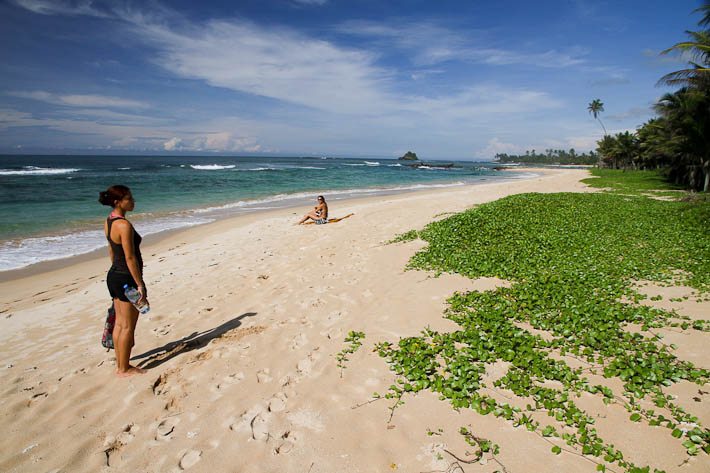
(595, 107)
(606, 148)
(655, 143)
(698, 49)
(626, 149)
(687, 114)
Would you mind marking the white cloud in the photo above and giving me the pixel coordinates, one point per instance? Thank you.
(584, 143)
(429, 43)
(59, 7)
(172, 144)
(271, 62)
(495, 146)
(11, 118)
(634, 112)
(99, 101)
(140, 136)
(78, 100)
(222, 141)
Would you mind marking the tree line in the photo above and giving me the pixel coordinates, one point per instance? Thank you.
(550, 156)
(677, 140)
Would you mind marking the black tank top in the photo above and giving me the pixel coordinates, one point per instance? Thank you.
(119, 257)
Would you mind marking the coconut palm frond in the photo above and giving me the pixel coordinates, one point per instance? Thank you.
(685, 76)
(705, 10)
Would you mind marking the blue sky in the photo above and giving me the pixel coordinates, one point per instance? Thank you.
(447, 79)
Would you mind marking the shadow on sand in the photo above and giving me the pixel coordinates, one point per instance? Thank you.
(194, 341)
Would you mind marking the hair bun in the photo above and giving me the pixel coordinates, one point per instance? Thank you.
(105, 199)
(113, 194)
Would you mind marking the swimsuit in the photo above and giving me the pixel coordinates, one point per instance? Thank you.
(119, 274)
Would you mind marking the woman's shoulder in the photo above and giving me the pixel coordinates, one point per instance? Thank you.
(121, 223)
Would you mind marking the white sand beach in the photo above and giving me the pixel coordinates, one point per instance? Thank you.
(247, 317)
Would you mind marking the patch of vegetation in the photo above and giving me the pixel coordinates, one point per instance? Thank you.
(573, 259)
(407, 236)
(631, 182)
(354, 338)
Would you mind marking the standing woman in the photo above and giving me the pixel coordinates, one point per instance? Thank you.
(126, 268)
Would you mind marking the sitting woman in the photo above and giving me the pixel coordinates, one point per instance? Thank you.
(319, 213)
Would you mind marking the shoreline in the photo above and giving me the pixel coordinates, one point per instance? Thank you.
(154, 238)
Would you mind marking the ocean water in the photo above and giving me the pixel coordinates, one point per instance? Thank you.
(49, 207)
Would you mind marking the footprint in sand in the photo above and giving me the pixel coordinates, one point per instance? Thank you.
(305, 366)
(128, 434)
(260, 427)
(333, 318)
(277, 403)
(190, 458)
(228, 381)
(160, 331)
(166, 428)
(287, 442)
(334, 333)
(114, 444)
(263, 376)
(298, 341)
(317, 302)
(288, 386)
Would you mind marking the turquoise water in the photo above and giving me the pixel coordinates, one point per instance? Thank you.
(49, 207)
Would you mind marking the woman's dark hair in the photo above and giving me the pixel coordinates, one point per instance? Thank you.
(113, 194)
(320, 197)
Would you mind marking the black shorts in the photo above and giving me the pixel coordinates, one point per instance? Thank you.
(115, 280)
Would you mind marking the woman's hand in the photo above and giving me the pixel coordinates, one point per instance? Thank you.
(144, 294)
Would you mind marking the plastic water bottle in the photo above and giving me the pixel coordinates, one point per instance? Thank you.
(134, 296)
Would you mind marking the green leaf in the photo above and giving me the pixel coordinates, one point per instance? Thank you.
(556, 450)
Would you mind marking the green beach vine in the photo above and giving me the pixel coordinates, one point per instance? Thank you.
(573, 260)
(355, 340)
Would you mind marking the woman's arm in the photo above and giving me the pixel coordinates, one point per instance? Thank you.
(108, 237)
(126, 232)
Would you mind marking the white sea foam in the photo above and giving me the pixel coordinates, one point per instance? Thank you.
(20, 253)
(35, 171)
(280, 168)
(211, 167)
(123, 169)
(434, 168)
(394, 165)
(372, 163)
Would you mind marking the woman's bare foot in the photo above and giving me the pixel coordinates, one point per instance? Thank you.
(131, 371)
